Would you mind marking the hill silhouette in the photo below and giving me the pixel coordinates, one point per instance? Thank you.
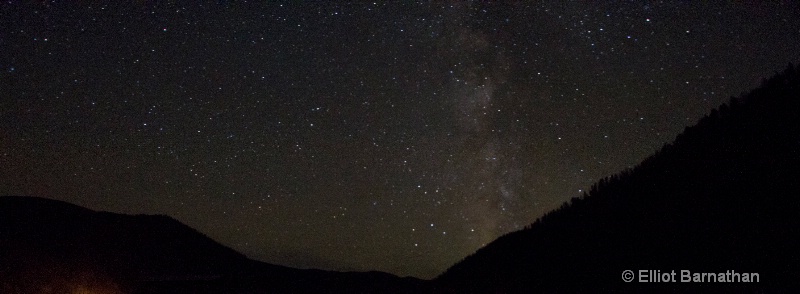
(49, 246)
(724, 196)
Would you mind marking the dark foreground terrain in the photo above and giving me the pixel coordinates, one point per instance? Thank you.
(48, 246)
(723, 197)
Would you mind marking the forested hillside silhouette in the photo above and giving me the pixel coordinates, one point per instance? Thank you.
(725, 195)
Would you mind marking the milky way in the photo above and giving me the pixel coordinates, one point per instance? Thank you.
(392, 137)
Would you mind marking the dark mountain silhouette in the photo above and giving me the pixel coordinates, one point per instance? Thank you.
(724, 196)
(49, 246)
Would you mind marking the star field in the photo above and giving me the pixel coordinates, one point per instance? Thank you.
(397, 137)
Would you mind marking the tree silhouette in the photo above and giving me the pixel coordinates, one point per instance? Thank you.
(722, 196)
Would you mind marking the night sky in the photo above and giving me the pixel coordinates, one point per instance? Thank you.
(395, 137)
